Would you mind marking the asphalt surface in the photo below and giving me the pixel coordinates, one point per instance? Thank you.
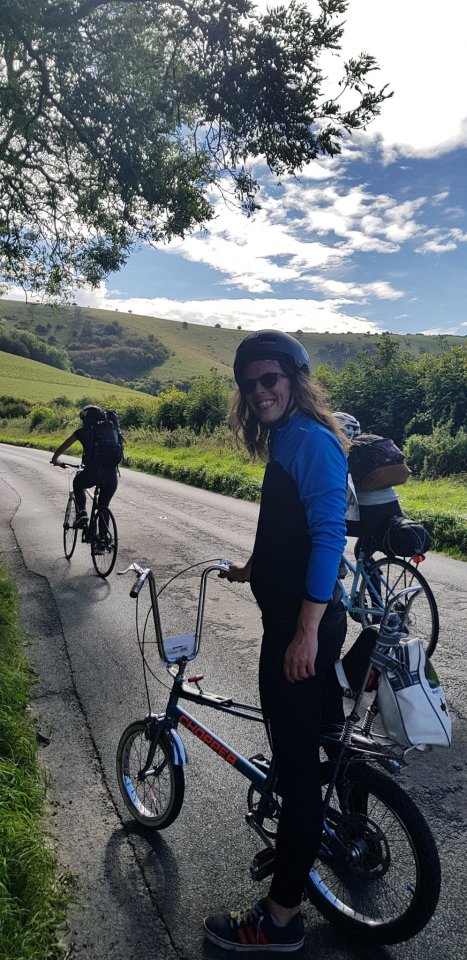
(140, 896)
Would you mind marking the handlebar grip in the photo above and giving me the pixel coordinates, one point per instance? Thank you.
(138, 584)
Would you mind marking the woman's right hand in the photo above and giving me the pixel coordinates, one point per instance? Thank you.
(237, 572)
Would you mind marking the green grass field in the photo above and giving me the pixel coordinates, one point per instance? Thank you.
(40, 383)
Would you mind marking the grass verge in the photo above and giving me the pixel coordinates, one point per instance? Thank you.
(32, 904)
(441, 505)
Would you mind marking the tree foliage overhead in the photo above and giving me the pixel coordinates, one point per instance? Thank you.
(118, 117)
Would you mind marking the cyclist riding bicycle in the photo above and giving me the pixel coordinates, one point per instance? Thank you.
(93, 474)
(281, 414)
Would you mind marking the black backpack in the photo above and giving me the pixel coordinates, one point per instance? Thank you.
(403, 537)
(375, 463)
(103, 446)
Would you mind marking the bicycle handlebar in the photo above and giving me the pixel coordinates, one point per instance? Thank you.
(145, 573)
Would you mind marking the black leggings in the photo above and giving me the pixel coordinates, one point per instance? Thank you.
(107, 480)
(293, 714)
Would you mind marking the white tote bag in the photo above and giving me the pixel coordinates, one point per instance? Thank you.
(411, 702)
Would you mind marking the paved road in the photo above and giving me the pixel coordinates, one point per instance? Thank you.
(144, 897)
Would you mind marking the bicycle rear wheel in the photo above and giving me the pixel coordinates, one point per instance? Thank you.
(69, 531)
(104, 542)
(384, 886)
(157, 800)
(386, 577)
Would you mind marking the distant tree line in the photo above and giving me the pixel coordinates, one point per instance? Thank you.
(421, 404)
(395, 395)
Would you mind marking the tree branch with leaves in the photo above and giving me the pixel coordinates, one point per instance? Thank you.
(119, 118)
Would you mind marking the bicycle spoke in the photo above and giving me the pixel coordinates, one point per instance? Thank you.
(382, 581)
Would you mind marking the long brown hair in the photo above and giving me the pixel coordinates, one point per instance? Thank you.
(307, 396)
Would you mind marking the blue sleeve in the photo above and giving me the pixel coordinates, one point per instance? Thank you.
(320, 471)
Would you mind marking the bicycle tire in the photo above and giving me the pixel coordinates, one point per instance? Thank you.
(394, 574)
(390, 889)
(156, 801)
(70, 532)
(104, 562)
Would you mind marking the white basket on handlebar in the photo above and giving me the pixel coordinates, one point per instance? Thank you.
(185, 645)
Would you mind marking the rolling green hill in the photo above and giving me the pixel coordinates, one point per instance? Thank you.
(39, 383)
(194, 349)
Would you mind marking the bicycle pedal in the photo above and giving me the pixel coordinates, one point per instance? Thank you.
(260, 761)
(263, 864)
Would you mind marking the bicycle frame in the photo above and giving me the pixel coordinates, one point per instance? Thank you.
(348, 598)
(359, 573)
(258, 770)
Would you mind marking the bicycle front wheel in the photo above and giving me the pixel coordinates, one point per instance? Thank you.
(104, 542)
(69, 531)
(156, 800)
(382, 882)
(380, 583)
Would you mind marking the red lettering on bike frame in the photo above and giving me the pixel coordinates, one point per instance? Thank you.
(208, 740)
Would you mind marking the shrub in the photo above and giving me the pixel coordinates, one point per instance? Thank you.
(12, 407)
(207, 403)
(132, 415)
(437, 455)
(47, 419)
(170, 410)
(61, 402)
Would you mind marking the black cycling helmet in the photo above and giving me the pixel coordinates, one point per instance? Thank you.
(269, 345)
(350, 424)
(90, 412)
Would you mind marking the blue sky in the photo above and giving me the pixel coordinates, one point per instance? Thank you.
(373, 240)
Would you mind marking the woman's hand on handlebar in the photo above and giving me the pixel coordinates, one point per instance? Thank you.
(237, 572)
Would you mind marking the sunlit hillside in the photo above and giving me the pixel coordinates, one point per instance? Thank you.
(39, 383)
(194, 349)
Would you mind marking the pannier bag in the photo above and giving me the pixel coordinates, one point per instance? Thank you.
(411, 703)
(104, 441)
(404, 538)
(375, 463)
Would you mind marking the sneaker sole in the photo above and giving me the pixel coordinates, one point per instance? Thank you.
(253, 947)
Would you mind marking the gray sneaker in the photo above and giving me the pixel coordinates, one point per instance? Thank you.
(253, 930)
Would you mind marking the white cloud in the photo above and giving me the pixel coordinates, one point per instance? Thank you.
(442, 241)
(443, 331)
(436, 246)
(304, 231)
(249, 313)
(380, 290)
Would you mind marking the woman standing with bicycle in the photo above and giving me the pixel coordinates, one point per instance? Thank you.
(281, 414)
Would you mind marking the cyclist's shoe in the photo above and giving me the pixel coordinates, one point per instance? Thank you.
(254, 929)
(99, 548)
(81, 520)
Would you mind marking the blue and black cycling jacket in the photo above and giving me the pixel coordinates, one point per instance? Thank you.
(301, 527)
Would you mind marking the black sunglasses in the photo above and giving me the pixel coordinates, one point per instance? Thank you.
(268, 380)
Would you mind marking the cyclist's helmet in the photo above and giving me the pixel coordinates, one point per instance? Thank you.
(349, 424)
(90, 413)
(269, 345)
